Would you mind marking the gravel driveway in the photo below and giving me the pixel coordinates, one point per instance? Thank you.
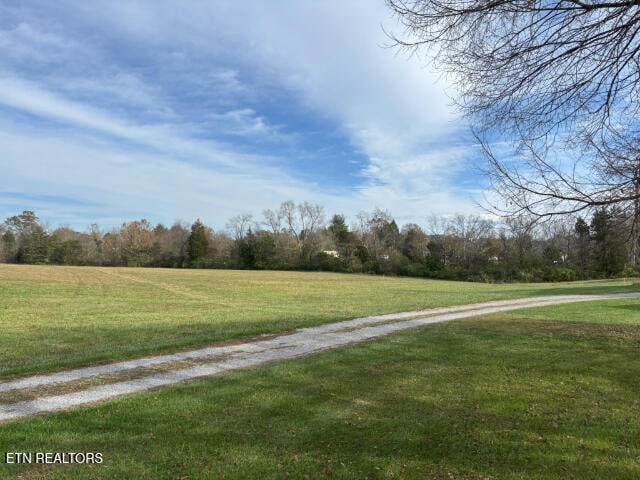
(40, 394)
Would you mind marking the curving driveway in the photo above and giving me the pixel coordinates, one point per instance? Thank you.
(71, 388)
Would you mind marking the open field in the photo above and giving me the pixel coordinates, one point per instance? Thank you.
(541, 393)
(59, 317)
(48, 393)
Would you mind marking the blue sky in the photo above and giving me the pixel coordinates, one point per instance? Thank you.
(167, 110)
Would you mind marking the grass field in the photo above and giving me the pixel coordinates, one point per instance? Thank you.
(59, 317)
(542, 393)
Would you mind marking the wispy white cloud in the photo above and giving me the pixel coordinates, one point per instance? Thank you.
(169, 138)
(393, 110)
(116, 87)
(155, 108)
(135, 184)
(23, 42)
(244, 122)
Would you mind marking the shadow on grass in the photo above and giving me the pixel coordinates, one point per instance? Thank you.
(45, 349)
(457, 400)
(634, 307)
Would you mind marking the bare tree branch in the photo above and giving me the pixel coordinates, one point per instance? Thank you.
(559, 81)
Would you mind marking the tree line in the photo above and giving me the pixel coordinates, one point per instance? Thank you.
(300, 237)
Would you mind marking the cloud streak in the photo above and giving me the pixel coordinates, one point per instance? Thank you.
(143, 109)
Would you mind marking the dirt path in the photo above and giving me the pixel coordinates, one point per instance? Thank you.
(58, 391)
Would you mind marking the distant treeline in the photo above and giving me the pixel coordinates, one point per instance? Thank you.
(299, 237)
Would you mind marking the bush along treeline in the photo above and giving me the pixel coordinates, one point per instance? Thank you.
(300, 237)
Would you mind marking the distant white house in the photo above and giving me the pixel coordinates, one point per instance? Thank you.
(331, 253)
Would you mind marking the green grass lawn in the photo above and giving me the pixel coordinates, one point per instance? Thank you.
(58, 317)
(542, 393)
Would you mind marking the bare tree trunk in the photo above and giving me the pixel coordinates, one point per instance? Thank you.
(635, 234)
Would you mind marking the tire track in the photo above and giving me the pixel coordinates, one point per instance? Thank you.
(219, 359)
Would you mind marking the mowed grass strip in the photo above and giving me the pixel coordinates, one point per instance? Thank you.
(55, 317)
(542, 394)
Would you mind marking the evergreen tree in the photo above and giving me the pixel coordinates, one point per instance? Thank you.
(247, 250)
(582, 232)
(197, 244)
(68, 252)
(37, 247)
(339, 230)
(609, 249)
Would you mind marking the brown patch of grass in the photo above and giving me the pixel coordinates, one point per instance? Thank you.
(61, 388)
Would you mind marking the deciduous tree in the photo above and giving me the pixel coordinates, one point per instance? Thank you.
(136, 242)
(559, 80)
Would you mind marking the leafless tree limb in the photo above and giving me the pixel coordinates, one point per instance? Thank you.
(559, 80)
